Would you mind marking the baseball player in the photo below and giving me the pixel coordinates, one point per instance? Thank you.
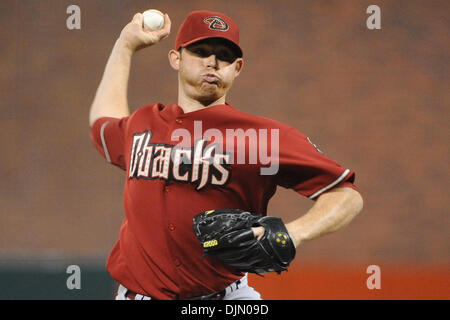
(199, 154)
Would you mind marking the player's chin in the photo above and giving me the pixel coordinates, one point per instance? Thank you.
(211, 84)
(207, 99)
(211, 90)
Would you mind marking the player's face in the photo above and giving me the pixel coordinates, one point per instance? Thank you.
(207, 70)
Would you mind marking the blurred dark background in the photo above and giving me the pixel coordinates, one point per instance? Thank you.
(374, 100)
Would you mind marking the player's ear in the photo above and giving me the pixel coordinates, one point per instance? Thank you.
(174, 59)
(239, 62)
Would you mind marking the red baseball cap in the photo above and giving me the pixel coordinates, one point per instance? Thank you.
(200, 25)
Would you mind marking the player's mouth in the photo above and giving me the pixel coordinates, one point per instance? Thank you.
(211, 78)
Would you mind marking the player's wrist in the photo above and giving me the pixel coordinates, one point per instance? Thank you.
(295, 233)
(125, 46)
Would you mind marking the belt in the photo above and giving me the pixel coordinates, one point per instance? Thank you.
(213, 296)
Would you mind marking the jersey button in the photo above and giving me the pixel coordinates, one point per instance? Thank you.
(179, 121)
(177, 262)
(171, 227)
(166, 189)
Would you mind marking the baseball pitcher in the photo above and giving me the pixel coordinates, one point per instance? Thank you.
(199, 173)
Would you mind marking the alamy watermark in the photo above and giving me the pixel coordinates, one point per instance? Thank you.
(74, 280)
(73, 22)
(373, 22)
(235, 142)
(374, 280)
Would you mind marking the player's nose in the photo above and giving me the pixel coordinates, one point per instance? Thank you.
(211, 61)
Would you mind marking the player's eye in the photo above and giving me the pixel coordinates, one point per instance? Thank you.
(221, 54)
(226, 56)
(201, 52)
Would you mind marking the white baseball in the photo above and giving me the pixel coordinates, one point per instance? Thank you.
(153, 19)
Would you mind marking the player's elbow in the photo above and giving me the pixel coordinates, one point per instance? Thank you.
(352, 202)
(352, 206)
(356, 201)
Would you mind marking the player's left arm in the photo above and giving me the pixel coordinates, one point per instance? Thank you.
(331, 211)
(309, 172)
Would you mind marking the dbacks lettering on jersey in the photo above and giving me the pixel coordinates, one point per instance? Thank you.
(200, 165)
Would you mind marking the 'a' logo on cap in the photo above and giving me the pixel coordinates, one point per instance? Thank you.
(216, 23)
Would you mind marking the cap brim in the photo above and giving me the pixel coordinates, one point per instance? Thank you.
(234, 45)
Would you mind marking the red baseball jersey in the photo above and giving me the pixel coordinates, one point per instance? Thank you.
(180, 164)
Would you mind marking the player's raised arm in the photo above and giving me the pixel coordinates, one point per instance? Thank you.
(111, 97)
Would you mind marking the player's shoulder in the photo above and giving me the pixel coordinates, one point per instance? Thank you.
(262, 121)
(151, 113)
(146, 109)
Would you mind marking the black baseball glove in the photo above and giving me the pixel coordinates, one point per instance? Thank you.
(226, 234)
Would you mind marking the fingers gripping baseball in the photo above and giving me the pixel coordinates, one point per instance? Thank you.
(136, 37)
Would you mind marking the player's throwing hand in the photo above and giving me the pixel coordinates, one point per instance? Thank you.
(135, 37)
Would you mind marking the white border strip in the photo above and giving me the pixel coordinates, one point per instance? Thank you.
(102, 136)
(342, 177)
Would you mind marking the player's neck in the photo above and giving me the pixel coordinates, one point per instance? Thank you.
(189, 104)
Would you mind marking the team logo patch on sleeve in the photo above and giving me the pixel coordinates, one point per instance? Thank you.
(318, 150)
(216, 23)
